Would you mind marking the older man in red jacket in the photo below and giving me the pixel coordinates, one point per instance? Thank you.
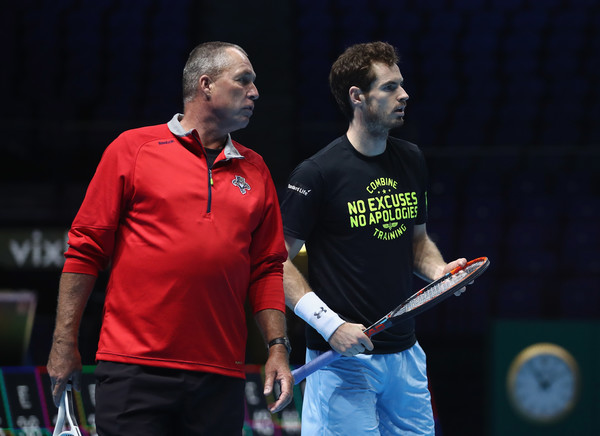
(189, 221)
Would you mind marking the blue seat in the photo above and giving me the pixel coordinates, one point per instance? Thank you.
(528, 235)
(358, 18)
(399, 18)
(579, 298)
(519, 297)
(446, 23)
(582, 261)
(444, 182)
(487, 22)
(522, 41)
(121, 109)
(439, 65)
(531, 184)
(514, 131)
(469, 6)
(485, 208)
(530, 21)
(469, 125)
(169, 13)
(480, 69)
(591, 64)
(479, 43)
(574, 19)
(431, 6)
(468, 313)
(485, 181)
(547, 6)
(507, 5)
(565, 41)
(522, 66)
(580, 88)
(437, 44)
(439, 91)
(585, 207)
(315, 20)
(533, 262)
(577, 183)
(580, 233)
(549, 162)
(569, 130)
(500, 164)
(481, 224)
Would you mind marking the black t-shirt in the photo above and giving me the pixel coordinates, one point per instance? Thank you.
(356, 215)
(211, 155)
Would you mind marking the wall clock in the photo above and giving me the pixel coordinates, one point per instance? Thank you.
(543, 382)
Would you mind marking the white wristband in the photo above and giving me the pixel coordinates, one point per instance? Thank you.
(316, 313)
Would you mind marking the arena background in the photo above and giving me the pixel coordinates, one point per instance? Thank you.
(504, 101)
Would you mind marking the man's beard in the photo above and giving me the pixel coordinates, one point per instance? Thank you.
(376, 126)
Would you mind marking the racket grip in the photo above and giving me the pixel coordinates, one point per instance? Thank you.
(314, 365)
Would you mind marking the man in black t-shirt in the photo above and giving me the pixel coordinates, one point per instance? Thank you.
(360, 206)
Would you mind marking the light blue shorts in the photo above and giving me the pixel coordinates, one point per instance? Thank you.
(380, 394)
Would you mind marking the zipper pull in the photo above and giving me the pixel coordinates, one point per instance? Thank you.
(210, 177)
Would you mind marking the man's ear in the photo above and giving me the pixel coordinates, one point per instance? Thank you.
(205, 85)
(356, 95)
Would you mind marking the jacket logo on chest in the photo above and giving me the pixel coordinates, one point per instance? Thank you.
(240, 182)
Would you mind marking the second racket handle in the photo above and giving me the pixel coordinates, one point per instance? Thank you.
(314, 365)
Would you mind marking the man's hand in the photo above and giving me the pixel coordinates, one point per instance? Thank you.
(454, 264)
(349, 339)
(277, 371)
(64, 364)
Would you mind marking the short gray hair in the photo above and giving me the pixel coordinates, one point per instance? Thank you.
(208, 58)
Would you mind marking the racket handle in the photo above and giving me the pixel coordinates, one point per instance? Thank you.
(314, 365)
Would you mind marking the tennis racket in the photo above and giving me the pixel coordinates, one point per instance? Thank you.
(424, 299)
(66, 410)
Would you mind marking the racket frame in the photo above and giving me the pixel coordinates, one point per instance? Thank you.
(66, 410)
(395, 316)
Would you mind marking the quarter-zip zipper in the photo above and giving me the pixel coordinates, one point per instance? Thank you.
(235, 155)
(210, 177)
(210, 184)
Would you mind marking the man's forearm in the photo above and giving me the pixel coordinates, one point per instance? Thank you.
(74, 292)
(64, 361)
(271, 324)
(294, 284)
(428, 261)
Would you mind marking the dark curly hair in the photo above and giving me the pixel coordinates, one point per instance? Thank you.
(353, 68)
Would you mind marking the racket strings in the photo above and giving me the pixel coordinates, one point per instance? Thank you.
(439, 288)
(421, 299)
(428, 295)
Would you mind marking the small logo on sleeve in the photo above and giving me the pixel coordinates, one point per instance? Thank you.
(240, 182)
(299, 190)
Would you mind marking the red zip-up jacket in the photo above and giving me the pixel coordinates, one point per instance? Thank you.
(187, 246)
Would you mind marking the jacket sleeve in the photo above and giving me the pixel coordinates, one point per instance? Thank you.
(92, 234)
(267, 254)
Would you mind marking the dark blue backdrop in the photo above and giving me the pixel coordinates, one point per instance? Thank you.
(504, 101)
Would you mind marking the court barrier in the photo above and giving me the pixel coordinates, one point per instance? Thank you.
(27, 409)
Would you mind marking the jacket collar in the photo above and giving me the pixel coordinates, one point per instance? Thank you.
(177, 129)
